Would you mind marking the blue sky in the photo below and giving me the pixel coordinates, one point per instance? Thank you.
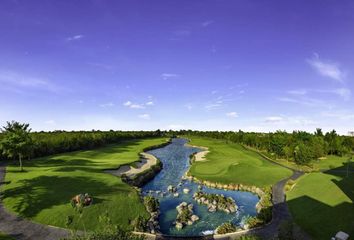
(207, 65)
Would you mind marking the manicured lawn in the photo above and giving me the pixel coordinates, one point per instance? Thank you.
(44, 190)
(322, 203)
(231, 163)
(332, 161)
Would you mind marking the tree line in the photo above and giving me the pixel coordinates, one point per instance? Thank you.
(17, 141)
(299, 146)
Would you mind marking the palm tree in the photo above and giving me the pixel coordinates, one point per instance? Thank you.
(16, 141)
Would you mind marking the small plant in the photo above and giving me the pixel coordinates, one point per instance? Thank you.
(227, 227)
(151, 204)
(139, 224)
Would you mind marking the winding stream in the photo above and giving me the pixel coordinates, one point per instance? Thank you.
(175, 160)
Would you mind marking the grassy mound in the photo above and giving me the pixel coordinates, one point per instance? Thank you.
(43, 191)
(231, 163)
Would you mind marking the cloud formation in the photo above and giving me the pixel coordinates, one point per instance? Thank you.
(232, 114)
(144, 116)
(166, 76)
(75, 37)
(327, 69)
(15, 79)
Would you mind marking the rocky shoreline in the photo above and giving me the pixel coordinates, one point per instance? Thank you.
(216, 202)
(185, 215)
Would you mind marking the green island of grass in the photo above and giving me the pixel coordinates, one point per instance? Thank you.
(232, 163)
(43, 191)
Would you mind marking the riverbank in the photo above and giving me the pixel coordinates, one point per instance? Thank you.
(143, 170)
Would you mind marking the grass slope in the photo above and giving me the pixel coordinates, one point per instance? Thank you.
(332, 161)
(43, 191)
(322, 203)
(231, 163)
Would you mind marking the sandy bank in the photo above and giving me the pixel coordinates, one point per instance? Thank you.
(199, 156)
(146, 161)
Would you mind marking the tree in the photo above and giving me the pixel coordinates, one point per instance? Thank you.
(16, 141)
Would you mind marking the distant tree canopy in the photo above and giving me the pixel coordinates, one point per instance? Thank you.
(300, 146)
(47, 143)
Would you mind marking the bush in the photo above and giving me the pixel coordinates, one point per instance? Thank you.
(151, 204)
(226, 228)
(139, 224)
(253, 222)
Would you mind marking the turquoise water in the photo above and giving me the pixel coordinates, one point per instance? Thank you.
(175, 160)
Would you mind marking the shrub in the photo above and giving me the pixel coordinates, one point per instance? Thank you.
(151, 204)
(139, 224)
(226, 228)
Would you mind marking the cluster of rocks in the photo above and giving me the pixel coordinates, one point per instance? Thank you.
(185, 215)
(152, 206)
(216, 202)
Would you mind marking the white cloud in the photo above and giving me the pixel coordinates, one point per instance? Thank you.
(127, 103)
(14, 79)
(213, 106)
(107, 105)
(75, 37)
(166, 76)
(136, 106)
(150, 103)
(144, 116)
(310, 102)
(273, 119)
(344, 93)
(207, 23)
(327, 69)
(232, 114)
(50, 122)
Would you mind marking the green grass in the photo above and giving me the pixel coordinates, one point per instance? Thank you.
(5, 237)
(322, 203)
(332, 161)
(231, 163)
(43, 192)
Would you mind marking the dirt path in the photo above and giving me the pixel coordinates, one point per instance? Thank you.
(22, 229)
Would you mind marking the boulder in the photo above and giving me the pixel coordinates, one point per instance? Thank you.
(194, 218)
(186, 190)
(179, 225)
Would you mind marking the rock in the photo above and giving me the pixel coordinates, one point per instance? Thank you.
(176, 194)
(186, 190)
(194, 218)
(189, 222)
(170, 188)
(179, 225)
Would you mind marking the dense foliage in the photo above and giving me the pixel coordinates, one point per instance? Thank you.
(47, 143)
(298, 146)
(227, 227)
(16, 141)
(151, 204)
